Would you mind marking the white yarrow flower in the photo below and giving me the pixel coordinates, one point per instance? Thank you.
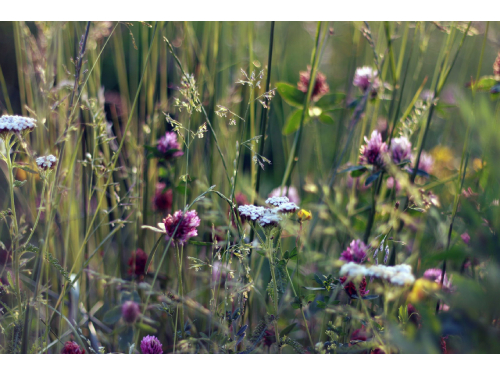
(46, 162)
(277, 201)
(16, 124)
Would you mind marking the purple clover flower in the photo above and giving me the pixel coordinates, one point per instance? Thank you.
(400, 149)
(186, 229)
(320, 86)
(372, 153)
(151, 345)
(71, 347)
(169, 142)
(426, 162)
(356, 252)
(130, 311)
(435, 274)
(364, 76)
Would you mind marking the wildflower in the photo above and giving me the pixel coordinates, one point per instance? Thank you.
(186, 226)
(277, 201)
(353, 271)
(288, 208)
(426, 162)
(372, 152)
(290, 192)
(360, 334)
(365, 76)
(356, 252)
(241, 199)
(350, 287)
(304, 215)
(496, 68)
(16, 124)
(162, 199)
(251, 212)
(269, 218)
(169, 145)
(46, 163)
(151, 345)
(435, 274)
(399, 275)
(71, 347)
(137, 263)
(320, 86)
(130, 311)
(421, 289)
(390, 184)
(465, 237)
(400, 149)
(219, 271)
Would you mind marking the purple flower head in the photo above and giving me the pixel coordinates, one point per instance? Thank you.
(320, 86)
(151, 345)
(169, 142)
(291, 193)
(364, 76)
(372, 152)
(426, 162)
(434, 274)
(162, 199)
(71, 347)
(130, 311)
(465, 237)
(400, 149)
(186, 229)
(356, 252)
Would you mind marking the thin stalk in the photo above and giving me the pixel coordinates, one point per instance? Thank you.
(312, 79)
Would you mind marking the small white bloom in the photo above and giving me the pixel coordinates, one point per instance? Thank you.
(251, 212)
(16, 124)
(287, 208)
(277, 201)
(269, 217)
(46, 162)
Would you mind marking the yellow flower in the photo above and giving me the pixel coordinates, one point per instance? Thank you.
(422, 289)
(304, 215)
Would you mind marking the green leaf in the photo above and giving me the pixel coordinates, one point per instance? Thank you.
(288, 329)
(113, 316)
(354, 168)
(372, 178)
(293, 122)
(321, 304)
(291, 94)
(261, 252)
(484, 83)
(293, 253)
(146, 328)
(326, 119)
(19, 183)
(330, 100)
(126, 338)
(310, 297)
(25, 168)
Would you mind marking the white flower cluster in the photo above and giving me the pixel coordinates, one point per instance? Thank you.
(251, 212)
(399, 275)
(46, 162)
(16, 123)
(277, 201)
(268, 216)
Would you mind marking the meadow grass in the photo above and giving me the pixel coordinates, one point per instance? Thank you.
(251, 107)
